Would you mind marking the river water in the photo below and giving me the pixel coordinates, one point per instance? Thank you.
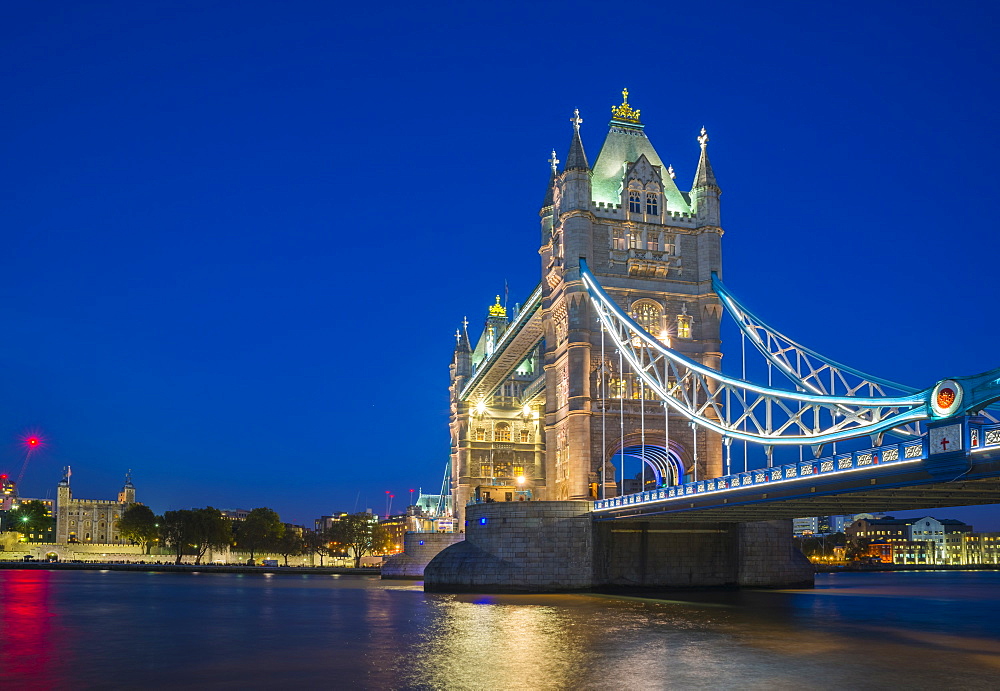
(115, 630)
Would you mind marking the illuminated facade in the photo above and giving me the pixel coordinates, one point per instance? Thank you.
(926, 540)
(90, 520)
(563, 413)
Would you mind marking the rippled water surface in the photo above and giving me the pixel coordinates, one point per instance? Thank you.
(110, 630)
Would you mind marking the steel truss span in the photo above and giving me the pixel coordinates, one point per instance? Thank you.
(809, 413)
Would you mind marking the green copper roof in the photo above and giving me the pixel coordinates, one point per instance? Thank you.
(624, 144)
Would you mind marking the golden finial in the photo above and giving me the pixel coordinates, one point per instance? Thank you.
(625, 111)
(498, 310)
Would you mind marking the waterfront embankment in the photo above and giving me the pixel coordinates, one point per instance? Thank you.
(188, 568)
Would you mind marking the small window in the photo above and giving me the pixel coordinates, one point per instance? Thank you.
(501, 432)
(617, 239)
(653, 241)
(634, 240)
(683, 326)
(525, 436)
(634, 202)
(480, 434)
(518, 470)
(652, 205)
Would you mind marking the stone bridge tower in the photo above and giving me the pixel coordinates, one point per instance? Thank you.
(654, 248)
(532, 400)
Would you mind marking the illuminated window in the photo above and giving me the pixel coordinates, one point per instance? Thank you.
(518, 470)
(616, 388)
(652, 241)
(648, 316)
(652, 204)
(683, 326)
(634, 240)
(501, 432)
(525, 436)
(480, 434)
(617, 239)
(634, 202)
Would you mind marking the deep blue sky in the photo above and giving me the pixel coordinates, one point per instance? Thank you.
(237, 236)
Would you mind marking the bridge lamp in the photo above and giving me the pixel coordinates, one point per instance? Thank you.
(526, 410)
(665, 338)
(481, 408)
(520, 479)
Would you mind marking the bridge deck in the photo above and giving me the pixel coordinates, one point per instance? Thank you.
(894, 477)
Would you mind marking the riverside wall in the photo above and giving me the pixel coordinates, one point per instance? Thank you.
(556, 547)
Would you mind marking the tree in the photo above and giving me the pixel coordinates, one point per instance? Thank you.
(208, 529)
(30, 517)
(259, 531)
(317, 542)
(176, 531)
(138, 525)
(857, 548)
(289, 544)
(361, 534)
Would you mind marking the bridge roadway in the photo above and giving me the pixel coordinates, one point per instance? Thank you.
(893, 477)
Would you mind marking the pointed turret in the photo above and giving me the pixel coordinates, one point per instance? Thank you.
(575, 179)
(704, 176)
(577, 159)
(549, 196)
(463, 350)
(705, 189)
(127, 493)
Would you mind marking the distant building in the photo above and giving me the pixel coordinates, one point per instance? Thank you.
(235, 514)
(8, 493)
(90, 520)
(827, 525)
(395, 527)
(926, 540)
(981, 548)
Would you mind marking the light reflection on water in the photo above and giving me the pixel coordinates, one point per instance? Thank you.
(157, 630)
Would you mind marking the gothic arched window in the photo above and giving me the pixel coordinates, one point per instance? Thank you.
(501, 432)
(634, 202)
(647, 313)
(652, 204)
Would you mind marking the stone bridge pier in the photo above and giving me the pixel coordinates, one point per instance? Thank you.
(555, 546)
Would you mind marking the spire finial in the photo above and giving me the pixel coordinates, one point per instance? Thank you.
(458, 336)
(625, 111)
(703, 139)
(576, 120)
(554, 162)
(465, 322)
(670, 172)
(498, 310)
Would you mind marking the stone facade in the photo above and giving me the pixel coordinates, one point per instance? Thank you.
(418, 551)
(654, 248)
(509, 547)
(90, 520)
(555, 547)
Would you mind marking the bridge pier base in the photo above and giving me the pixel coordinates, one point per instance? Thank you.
(554, 546)
(418, 550)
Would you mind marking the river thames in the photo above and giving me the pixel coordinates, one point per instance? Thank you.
(115, 630)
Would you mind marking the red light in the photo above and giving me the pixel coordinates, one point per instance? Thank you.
(33, 441)
(3, 477)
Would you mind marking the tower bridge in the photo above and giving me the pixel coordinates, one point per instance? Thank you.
(613, 364)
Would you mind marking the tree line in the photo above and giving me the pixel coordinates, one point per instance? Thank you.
(196, 531)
